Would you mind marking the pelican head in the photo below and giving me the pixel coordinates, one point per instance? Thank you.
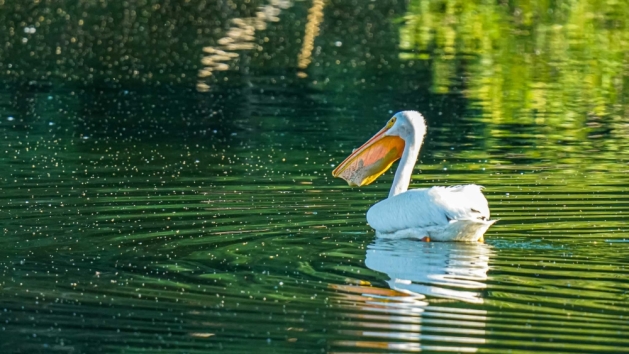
(375, 157)
(408, 125)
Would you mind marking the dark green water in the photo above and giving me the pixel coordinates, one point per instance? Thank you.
(166, 176)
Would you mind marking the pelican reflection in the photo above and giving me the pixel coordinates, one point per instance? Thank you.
(432, 303)
(451, 270)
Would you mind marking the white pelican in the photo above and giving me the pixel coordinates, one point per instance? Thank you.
(458, 213)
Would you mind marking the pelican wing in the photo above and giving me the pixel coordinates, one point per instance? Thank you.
(427, 208)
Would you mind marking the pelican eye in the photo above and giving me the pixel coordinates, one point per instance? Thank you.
(391, 122)
(475, 211)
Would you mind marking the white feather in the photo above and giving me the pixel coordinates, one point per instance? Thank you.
(458, 213)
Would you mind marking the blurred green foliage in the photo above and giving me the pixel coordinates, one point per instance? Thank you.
(553, 62)
(558, 66)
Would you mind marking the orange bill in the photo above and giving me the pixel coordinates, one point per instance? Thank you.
(371, 160)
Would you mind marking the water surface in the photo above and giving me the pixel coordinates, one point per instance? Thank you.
(166, 182)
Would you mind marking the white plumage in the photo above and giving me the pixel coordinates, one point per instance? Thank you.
(458, 213)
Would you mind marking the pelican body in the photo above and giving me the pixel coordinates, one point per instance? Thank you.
(458, 213)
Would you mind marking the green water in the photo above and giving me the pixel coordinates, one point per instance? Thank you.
(166, 176)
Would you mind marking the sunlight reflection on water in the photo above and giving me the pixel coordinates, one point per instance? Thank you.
(143, 212)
